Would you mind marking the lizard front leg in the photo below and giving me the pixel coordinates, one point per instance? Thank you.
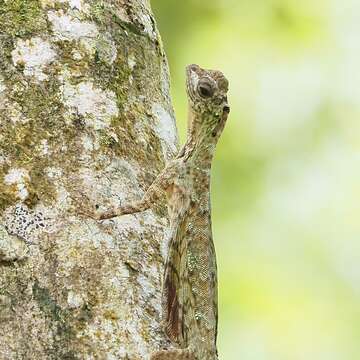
(138, 206)
(153, 193)
(175, 354)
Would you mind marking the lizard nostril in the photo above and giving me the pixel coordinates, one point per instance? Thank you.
(226, 109)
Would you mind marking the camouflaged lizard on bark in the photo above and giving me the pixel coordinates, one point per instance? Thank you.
(189, 297)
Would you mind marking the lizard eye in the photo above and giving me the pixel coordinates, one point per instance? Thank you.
(205, 89)
(193, 67)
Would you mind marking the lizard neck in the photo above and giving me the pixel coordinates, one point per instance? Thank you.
(204, 130)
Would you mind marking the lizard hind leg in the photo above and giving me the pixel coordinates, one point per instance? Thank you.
(176, 354)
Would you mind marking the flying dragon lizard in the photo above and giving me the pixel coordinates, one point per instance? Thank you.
(189, 296)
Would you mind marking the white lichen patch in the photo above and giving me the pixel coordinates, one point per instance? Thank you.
(34, 54)
(95, 105)
(166, 130)
(148, 287)
(126, 330)
(164, 245)
(117, 184)
(15, 176)
(128, 224)
(74, 300)
(90, 144)
(129, 227)
(11, 247)
(53, 172)
(122, 274)
(63, 200)
(153, 276)
(131, 64)
(2, 86)
(43, 147)
(145, 19)
(66, 27)
(27, 224)
(125, 186)
(14, 112)
(89, 235)
(18, 177)
(76, 55)
(141, 344)
(106, 48)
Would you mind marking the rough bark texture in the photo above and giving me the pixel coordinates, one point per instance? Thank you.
(85, 118)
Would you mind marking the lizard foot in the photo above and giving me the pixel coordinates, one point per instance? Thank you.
(179, 354)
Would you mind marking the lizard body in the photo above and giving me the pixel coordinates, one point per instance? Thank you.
(189, 297)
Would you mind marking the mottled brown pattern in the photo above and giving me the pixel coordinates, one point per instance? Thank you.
(189, 301)
(174, 326)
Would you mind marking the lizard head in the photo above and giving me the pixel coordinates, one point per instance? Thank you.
(207, 94)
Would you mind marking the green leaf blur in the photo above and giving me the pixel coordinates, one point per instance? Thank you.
(286, 178)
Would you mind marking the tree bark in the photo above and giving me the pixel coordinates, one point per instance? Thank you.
(85, 119)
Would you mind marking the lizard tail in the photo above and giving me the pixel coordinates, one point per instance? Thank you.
(172, 299)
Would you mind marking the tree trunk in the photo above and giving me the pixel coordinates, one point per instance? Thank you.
(85, 119)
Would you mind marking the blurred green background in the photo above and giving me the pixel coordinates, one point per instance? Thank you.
(286, 179)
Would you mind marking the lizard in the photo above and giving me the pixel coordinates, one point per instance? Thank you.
(189, 294)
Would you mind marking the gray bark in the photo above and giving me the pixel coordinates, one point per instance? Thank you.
(85, 118)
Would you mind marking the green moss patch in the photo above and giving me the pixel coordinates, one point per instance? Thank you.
(21, 17)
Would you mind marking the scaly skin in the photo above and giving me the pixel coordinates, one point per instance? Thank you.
(189, 298)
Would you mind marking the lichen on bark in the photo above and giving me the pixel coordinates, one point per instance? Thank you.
(85, 118)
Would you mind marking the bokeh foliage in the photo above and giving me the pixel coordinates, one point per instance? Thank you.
(286, 179)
